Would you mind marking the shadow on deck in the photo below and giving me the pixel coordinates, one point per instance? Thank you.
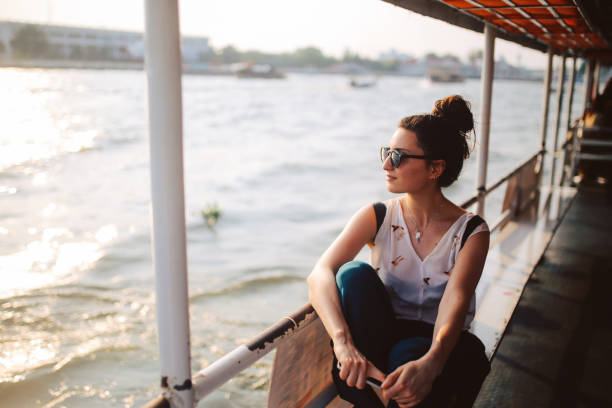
(557, 349)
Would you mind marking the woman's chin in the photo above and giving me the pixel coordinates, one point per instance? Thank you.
(393, 189)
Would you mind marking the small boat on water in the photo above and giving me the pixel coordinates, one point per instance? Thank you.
(362, 84)
(265, 71)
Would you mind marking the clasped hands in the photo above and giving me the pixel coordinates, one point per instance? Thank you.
(408, 384)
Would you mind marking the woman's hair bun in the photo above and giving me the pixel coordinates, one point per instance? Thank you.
(456, 111)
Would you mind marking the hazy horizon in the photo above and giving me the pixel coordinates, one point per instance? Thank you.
(366, 27)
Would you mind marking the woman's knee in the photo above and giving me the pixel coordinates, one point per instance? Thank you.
(355, 274)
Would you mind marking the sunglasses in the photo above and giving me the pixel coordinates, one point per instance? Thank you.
(397, 156)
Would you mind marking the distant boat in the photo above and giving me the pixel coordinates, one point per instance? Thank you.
(362, 84)
(259, 71)
(444, 74)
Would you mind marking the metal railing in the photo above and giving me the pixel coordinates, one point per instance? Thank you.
(574, 144)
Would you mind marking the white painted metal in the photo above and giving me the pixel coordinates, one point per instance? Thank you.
(565, 163)
(222, 370)
(596, 80)
(486, 90)
(546, 97)
(588, 83)
(570, 101)
(163, 64)
(560, 89)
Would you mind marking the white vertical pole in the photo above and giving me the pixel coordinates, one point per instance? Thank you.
(570, 101)
(545, 102)
(560, 88)
(596, 80)
(486, 90)
(163, 63)
(588, 83)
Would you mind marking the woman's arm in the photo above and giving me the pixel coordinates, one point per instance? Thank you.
(323, 294)
(410, 383)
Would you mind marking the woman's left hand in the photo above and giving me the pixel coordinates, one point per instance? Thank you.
(410, 383)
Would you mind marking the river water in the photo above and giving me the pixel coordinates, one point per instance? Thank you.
(287, 162)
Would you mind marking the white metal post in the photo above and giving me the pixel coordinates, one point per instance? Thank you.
(568, 126)
(163, 63)
(486, 90)
(595, 85)
(560, 88)
(545, 102)
(588, 82)
(570, 100)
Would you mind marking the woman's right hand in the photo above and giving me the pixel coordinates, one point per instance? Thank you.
(354, 367)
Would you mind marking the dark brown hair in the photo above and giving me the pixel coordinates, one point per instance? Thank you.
(444, 134)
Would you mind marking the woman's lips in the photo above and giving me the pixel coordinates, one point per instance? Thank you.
(390, 178)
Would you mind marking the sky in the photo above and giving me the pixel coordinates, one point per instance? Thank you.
(367, 27)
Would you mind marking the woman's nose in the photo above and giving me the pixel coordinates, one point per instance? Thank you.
(386, 165)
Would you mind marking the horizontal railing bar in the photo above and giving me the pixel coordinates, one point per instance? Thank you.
(222, 370)
(513, 172)
(473, 199)
(469, 202)
(594, 157)
(503, 217)
(595, 142)
(602, 129)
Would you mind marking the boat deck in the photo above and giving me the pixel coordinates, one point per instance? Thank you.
(557, 348)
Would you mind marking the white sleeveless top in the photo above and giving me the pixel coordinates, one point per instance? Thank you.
(416, 286)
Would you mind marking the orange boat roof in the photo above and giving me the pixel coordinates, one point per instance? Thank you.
(575, 27)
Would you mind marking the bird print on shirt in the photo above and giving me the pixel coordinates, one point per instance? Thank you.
(397, 260)
(455, 242)
(398, 231)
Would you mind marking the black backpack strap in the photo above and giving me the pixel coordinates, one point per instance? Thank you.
(474, 222)
(380, 209)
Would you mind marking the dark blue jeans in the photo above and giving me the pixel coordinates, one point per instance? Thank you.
(389, 342)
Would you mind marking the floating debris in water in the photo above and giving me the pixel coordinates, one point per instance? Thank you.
(211, 214)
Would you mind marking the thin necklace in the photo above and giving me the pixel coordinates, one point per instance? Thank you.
(419, 232)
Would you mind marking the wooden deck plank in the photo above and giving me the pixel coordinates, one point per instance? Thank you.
(557, 349)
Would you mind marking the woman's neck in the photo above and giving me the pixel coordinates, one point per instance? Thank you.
(424, 205)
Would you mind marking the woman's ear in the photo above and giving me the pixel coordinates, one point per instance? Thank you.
(437, 168)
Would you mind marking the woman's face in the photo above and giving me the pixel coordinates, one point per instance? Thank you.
(412, 175)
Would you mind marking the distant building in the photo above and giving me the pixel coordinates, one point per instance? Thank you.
(393, 55)
(92, 43)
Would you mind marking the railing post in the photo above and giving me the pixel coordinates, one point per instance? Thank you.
(486, 90)
(164, 70)
(568, 127)
(560, 89)
(588, 84)
(546, 97)
(570, 100)
(595, 90)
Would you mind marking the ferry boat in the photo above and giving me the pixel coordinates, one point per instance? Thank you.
(533, 213)
(265, 71)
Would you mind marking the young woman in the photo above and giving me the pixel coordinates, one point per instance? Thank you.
(403, 318)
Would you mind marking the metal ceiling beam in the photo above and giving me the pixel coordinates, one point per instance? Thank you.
(442, 11)
(525, 14)
(555, 14)
(482, 7)
(588, 11)
(519, 7)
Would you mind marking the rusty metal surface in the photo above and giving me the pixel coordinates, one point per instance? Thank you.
(302, 368)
